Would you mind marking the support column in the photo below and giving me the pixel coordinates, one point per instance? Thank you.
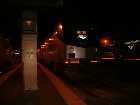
(29, 50)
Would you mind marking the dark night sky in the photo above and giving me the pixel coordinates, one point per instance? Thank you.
(104, 19)
(10, 16)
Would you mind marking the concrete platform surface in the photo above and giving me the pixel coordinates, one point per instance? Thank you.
(51, 91)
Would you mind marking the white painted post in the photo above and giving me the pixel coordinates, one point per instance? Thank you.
(29, 50)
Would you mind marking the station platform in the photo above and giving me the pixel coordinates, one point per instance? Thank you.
(52, 91)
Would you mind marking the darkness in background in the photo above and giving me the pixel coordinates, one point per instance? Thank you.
(99, 18)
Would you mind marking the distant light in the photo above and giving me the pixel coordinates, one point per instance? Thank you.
(84, 32)
(134, 59)
(75, 62)
(105, 41)
(43, 45)
(96, 49)
(82, 36)
(136, 41)
(16, 53)
(78, 32)
(66, 62)
(93, 61)
(46, 43)
(131, 44)
(60, 26)
(81, 32)
(51, 39)
(56, 32)
(108, 58)
(29, 23)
